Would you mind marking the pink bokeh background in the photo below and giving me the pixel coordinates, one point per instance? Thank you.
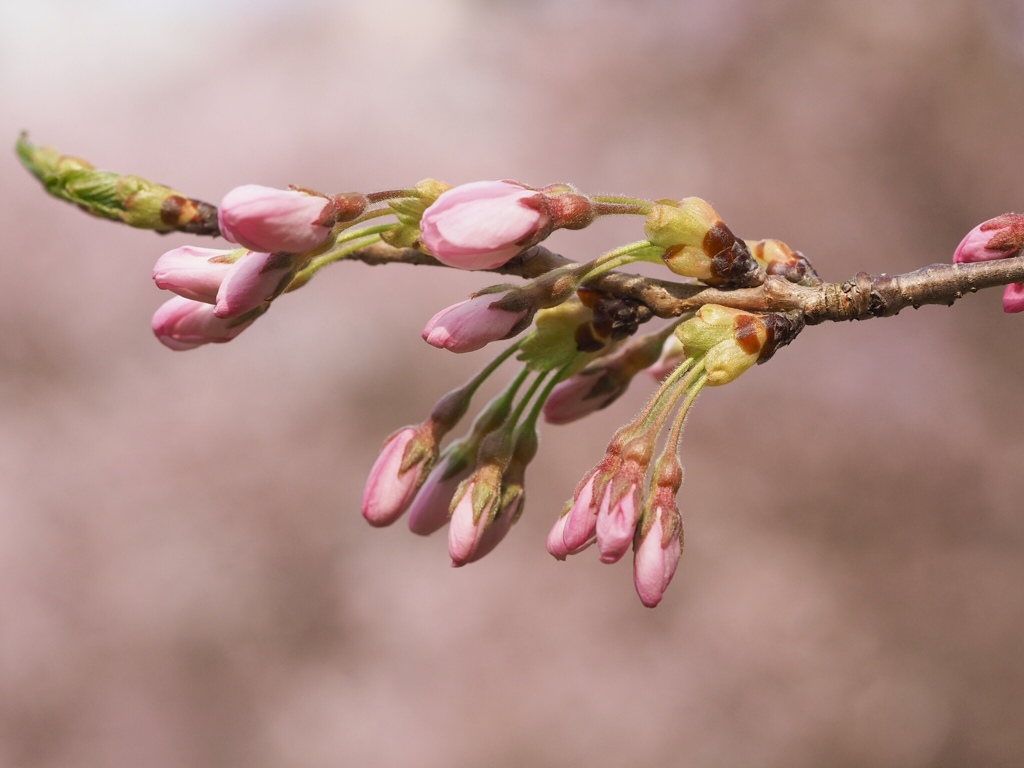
(185, 579)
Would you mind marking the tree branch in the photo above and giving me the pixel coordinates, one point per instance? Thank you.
(861, 297)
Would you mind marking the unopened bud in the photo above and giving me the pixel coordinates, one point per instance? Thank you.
(698, 244)
(777, 258)
(133, 200)
(729, 340)
(732, 340)
(997, 238)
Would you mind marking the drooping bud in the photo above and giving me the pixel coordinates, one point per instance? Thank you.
(474, 507)
(253, 280)
(659, 537)
(513, 492)
(602, 381)
(181, 324)
(397, 473)
(619, 508)
(431, 507)
(195, 273)
(657, 555)
(472, 324)
(269, 220)
(556, 537)
(698, 244)
(580, 524)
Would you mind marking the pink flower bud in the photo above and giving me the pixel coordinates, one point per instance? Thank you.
(392, 482)
(556, 540)
(269, 220)
(582, 394)
(1013, 298)
(255, 278)
(498, 529)
(616, 522)
(430, 509)
(581, 522)
(482, 225)
(194, 273)
(655, 558)
(996, 238)
(181, 323)
(471, 324)
(473, 511)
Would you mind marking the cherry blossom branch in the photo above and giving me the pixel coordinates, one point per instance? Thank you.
(734, 303)
(861, 297)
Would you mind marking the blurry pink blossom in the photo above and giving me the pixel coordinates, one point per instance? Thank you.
(471, 324)
(194, 273)
(181, 323)
(269, 220)
(255, 278)
(482, 225)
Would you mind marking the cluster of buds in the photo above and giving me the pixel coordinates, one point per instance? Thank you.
(578, 347)
(628, 499)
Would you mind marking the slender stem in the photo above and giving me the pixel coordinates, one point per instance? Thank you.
(531, 420)
(390, 194)
(676, 434)
(355, 241)
(518, 413)
(667, 397)
(649, 415)
(476, 381)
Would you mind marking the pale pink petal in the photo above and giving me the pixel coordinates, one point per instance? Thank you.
(181, 323)
(616, 524)
(255, 278)
(266, 219)
(481, 225)
(193, 273)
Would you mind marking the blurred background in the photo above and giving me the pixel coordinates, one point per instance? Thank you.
(185, 579)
